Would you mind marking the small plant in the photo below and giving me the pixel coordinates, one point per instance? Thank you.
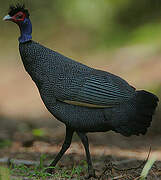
(38, 132)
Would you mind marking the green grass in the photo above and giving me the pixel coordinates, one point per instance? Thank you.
(39, 172)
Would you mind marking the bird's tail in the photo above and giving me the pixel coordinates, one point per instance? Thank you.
(136, 116)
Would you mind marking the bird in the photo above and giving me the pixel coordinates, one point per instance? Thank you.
(85, 99)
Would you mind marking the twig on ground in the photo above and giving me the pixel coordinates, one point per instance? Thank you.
(111, 166)
(118, 177)
(137, 178)
(134, 168)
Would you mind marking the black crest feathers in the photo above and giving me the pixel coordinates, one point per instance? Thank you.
(13, 9)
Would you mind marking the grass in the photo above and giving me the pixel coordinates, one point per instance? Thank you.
(4, 173)
(39, 172)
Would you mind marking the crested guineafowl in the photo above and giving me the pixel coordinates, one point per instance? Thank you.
(83, 98)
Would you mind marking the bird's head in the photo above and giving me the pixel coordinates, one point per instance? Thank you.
(17, 14)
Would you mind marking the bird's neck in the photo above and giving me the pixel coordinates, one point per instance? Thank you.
(25, 30)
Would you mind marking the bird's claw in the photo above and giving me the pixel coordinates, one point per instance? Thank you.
(91, 173)
(50, 170)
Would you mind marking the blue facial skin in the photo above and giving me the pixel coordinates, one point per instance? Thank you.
(26, 30)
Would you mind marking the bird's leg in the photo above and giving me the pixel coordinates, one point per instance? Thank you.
(65, 146)
(84, 139)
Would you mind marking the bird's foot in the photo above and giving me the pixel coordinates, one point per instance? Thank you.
(50, 170)
(91, 173)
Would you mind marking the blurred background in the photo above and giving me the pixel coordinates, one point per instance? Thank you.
(122, 37)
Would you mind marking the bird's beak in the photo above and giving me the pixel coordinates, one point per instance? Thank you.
(7, 18)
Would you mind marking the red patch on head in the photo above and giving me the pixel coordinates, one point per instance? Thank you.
(19, 17)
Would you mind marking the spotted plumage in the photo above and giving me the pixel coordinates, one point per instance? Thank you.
(83, 98)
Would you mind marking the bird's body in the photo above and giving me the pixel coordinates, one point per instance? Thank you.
(83, 98)
(60, 81)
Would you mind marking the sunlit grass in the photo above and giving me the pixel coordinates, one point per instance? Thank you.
(147, 168)
(4, 173)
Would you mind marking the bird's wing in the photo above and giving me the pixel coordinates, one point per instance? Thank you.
(99, 89)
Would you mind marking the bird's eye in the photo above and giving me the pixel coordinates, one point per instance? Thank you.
(19, 16)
